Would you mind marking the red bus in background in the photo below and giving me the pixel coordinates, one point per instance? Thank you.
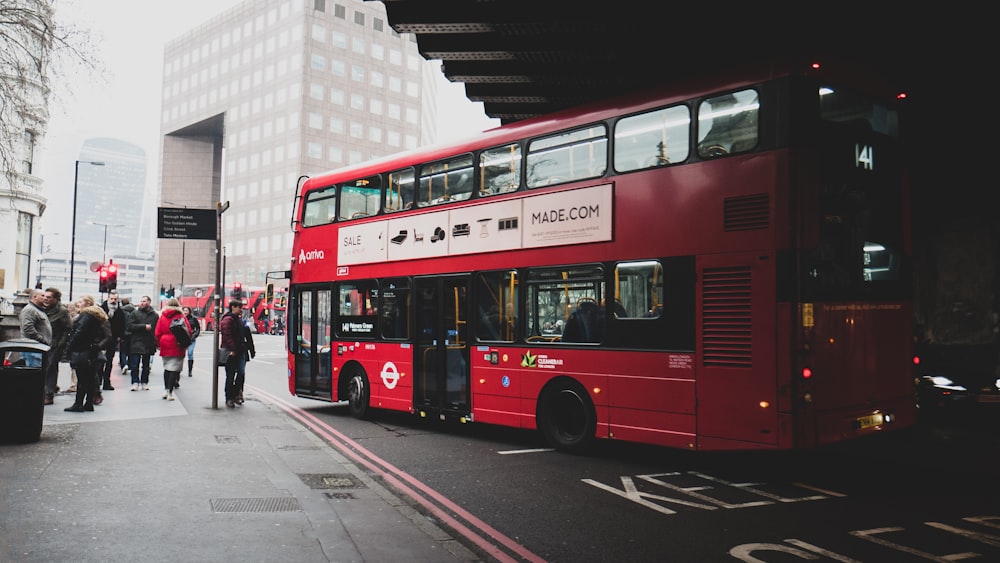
(277, 303)
(200, 297)
(718, 265)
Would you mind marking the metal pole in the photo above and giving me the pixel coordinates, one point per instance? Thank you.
(220, 208)
(72, 244)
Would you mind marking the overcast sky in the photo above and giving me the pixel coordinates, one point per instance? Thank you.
(128, 38)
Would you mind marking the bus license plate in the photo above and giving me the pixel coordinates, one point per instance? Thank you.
(870, 421)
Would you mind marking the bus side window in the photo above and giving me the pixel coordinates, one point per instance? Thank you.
(320, 207)
(446, 181)
(656, 138)
(566, 157)
(500, 170)
(360, 198)
(496, 305)
(399, 191)
(728, 124)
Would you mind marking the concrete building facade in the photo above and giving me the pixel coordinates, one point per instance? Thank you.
(264, 94)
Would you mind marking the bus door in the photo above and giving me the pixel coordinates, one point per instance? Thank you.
(441, 362)
(736, 364)
(310, 343)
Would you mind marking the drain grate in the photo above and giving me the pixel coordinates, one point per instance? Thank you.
(331, 481)
(223, 439)
(340, 496)
(265, 504)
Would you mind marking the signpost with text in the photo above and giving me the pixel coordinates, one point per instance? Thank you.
(181, 223)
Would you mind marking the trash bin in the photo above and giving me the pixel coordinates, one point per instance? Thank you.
(22, 399)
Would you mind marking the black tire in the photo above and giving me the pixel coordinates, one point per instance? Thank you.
(566, 417)
(358, 393)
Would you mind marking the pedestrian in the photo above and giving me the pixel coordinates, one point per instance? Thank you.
(195, 333)
(142, 323)
(234, 342)
(116, 321)
(74, 312)
(170, 350)
(251, 352)
(85, 341)
(35, 326)
(106, 342)
(125, 345)
(61, 324)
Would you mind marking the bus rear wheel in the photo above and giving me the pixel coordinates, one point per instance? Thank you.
(358, 393)
(566, 417)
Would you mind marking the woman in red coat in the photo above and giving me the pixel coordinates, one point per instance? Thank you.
(171, 352)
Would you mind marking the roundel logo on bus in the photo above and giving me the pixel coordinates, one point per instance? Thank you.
(315, 254)
(390, 375)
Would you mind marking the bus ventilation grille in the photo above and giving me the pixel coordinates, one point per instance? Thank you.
(747, 213)
(726, 322)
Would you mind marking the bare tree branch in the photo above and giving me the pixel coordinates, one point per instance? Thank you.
(35, 49)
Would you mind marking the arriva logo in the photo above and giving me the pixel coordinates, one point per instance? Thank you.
(311, 255)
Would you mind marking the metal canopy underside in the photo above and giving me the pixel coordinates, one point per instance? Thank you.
(523, 58)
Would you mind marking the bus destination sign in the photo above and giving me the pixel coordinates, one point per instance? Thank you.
(178, 223)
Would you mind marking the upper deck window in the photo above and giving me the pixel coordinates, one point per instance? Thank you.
(500, 170)
(320, 207)
(399, 190)
(449, 180)
(655, 138)
(360, 198)
(840, 105)
(565, 157)
(727, 124)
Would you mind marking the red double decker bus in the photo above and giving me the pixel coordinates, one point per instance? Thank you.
(719, 265)
(201, 297)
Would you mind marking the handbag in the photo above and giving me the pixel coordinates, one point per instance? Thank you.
(223, 356)
(80, 359)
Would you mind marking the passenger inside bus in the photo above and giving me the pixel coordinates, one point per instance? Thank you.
(586, 323)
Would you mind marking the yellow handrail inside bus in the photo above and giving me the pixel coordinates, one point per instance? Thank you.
(458, 322)
(508, 318)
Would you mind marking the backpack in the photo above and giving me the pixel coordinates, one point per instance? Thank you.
(180, 331)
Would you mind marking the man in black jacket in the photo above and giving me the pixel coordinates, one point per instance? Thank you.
(142, 324)
(61, 325)
(117, 318)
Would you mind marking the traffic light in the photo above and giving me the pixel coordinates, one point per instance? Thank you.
(112, 275)
(237, 290)
(103, 279)
(163, 292)
(171, 292)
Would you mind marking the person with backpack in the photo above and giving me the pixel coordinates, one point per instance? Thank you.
(173, 336)
(195, 333)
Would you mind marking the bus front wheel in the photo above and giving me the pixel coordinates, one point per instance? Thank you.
(358, 393)
(566, 416)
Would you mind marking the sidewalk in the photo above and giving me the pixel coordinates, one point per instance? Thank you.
(145, 479)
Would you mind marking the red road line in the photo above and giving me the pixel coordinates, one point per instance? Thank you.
(396, 476)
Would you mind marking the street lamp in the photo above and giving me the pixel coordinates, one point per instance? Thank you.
(72, 244)
(104, 260)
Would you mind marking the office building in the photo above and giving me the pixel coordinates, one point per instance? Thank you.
(112, 223)
(268, 92)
